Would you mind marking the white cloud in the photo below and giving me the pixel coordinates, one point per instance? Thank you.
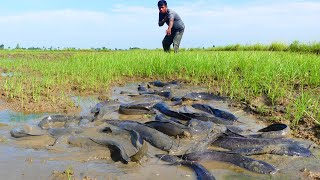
(252, 23)
(128, 26)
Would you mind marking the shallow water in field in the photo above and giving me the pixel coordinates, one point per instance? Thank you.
(8, 74)
(12, 117)
(35, 158)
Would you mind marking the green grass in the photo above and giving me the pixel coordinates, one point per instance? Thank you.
(295, 46)
(280, 76)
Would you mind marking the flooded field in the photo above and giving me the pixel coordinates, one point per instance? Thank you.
(52, 155)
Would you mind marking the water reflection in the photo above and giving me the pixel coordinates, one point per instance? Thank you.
(8, 116)
(11, 117)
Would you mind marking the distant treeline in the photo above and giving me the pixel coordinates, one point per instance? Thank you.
(295, 46)
(18, 47)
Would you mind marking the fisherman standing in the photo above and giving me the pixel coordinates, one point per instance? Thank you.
(175, 27)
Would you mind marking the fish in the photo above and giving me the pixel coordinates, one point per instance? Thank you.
(250, 164)
(153, 136)
(162, 117)
(170, 128)
(143, 87)
(201, 172)
(126, 143)
(104, 107)
(278, 149)
(108, 103)
(216, 112)
(176, 101)
(136, 108)
(247, 145)
(61, 120)
(162, 84)
(236, 142)
(166, 94)
(276, 130)
(205, 117)
(163, 108)
(26, 130)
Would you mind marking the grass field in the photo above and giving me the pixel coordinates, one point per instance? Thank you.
(279, 78)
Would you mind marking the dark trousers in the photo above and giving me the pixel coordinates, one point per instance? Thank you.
(174, 38)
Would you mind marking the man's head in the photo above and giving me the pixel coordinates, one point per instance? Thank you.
(162, 5)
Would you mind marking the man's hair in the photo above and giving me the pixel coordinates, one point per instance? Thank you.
(161, 3)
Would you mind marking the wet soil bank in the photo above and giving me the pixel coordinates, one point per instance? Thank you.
(306, 129)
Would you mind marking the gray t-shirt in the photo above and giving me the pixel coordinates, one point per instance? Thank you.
(178, 24)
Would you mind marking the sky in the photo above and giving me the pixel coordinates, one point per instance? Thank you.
(123, 24)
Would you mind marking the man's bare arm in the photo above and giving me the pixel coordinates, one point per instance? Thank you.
(170, 27)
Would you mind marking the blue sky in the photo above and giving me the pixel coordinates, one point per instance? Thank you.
(124, 24)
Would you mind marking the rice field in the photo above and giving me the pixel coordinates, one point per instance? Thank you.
(279, 78)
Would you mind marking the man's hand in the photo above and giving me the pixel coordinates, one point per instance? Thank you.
(168, 32)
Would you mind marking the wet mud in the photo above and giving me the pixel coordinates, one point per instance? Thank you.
(67, 152)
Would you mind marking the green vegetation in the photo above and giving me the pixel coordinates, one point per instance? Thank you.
(69, 172)
(280, 78)
(295, 46)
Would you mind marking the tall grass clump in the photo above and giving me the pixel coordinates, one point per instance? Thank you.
(306, 105)
(242, 75)
(278, 46)
(295, 46)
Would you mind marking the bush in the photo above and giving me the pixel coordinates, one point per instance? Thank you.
(278, 46)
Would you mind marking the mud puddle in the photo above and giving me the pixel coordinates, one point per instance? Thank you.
(9, 74)
(35, 158)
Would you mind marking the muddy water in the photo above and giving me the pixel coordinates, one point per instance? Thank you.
(8, 74)
(35, 158)
(12, 117)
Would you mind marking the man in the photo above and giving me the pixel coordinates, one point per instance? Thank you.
(175, 27)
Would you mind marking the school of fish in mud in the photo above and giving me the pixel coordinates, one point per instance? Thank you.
(185, 126)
